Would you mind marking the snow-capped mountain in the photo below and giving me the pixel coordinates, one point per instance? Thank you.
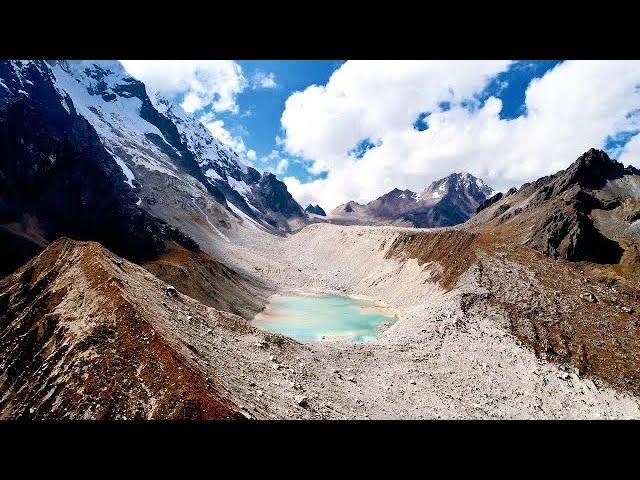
(167, 163)
(462, 189)
(448, 201)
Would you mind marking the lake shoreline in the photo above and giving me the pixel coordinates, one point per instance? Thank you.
(322, 316)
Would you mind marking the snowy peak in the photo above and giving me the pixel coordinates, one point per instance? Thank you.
(457, 184)
(448, 201)
(154, 143)
(209, 151)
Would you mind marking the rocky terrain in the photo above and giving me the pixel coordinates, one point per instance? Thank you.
(316, 210)
(450, 355)
(587, 212)
(526, 308)
(85, 137)
(86, 334)
(448, 201)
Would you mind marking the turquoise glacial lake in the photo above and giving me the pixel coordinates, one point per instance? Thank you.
(324, 317)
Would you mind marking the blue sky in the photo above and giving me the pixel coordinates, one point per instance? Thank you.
(258, 121)
(336, 131)
(261, 126)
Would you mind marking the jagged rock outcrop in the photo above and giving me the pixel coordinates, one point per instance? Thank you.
(489, 201)
(577, 214)
(272, 197)
(316, 210)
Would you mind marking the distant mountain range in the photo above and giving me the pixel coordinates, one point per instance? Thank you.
(448, 201)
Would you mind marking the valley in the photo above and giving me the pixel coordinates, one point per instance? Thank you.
(138, 250)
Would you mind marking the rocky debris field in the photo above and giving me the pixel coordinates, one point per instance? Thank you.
(480, 335)
(90, 335)
(446, 357)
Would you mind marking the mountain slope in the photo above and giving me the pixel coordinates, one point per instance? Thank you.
(262, 197)
(207, 280)
(449, 201)
(158, 158)
(587, 212)
(85, 334)
(557, 262)
(56, 178)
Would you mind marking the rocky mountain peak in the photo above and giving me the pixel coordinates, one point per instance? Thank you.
(578, 214)
(316, 210)
(274, 193)
(591, 170)
(461, 189)
(457, 183)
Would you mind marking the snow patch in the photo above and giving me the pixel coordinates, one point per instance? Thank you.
(127, 172)
(252, 223)
(212, 174)
(239, 186)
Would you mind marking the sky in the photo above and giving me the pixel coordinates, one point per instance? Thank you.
(336, 131)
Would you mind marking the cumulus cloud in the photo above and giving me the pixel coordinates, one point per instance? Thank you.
(198, 83)
(264, 80)
(282, 165)
(573, 107)
(218, 130)
(275, 162)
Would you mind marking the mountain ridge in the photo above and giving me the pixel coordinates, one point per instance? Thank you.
(159, 164)
(445, 202)
(582, 213)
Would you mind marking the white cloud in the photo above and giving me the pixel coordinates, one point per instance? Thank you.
(251, 155)
(218, 130)
(275, 162)
(573, 107)
(282, 165)
(198, 83)
(631, 152)
(264, 80)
